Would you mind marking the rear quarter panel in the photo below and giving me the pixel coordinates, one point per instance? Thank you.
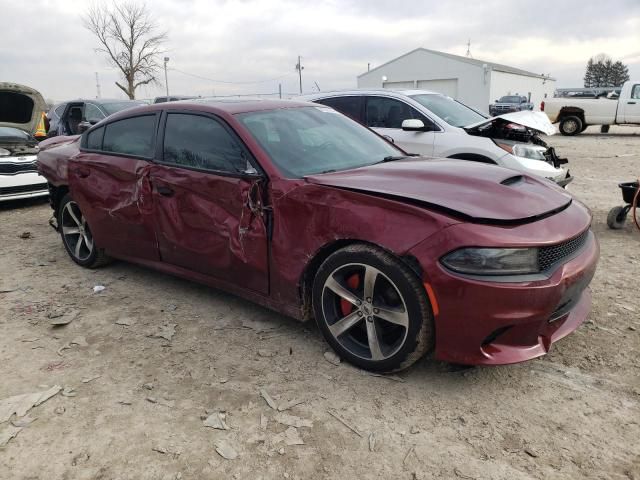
(54, 156)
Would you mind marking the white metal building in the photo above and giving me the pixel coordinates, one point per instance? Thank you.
(474, 82)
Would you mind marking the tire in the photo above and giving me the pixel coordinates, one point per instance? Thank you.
(604, 129)
(616, 218)
(76, 236)
(570, 125)
(398, 295)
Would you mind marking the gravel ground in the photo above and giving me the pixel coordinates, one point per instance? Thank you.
(134, 403)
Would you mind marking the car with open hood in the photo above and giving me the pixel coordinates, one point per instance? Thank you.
(21, 118)
(297, 207)
(435, 125)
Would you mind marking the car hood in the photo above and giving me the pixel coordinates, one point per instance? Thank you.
(20, 107)
(476, 192)
(536, 121)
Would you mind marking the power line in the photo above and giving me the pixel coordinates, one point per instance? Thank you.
(226, 81)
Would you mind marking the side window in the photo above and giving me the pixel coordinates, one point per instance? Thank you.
(60, 109)
(635, 93)
(385, 112)
(91, 112)
(131, 136)
(94, 139)
(202, 142)
(351, 106)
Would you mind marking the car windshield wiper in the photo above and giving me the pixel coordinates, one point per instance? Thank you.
(393, 158)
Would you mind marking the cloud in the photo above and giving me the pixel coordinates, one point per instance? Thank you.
(45, 45)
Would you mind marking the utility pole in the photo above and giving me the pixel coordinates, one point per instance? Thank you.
(166, 78)
(97, 86)
(299, 68)
(469, 49)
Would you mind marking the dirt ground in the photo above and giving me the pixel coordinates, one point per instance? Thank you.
(134, 404)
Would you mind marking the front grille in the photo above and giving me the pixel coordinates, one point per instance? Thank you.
(550, 256)
(36, 187)
(8, 168)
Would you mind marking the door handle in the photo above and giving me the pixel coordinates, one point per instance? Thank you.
(631, 103)
(164, 190)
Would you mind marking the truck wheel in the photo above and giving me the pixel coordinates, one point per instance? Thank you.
(616, 218)
(570, 125)
(604, 129)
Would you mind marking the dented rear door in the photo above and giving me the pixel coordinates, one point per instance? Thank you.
(208, 214)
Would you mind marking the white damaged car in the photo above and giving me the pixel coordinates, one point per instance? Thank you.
(434, 125)
(21, 111)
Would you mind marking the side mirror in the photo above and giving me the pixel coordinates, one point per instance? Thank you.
(93, 121)
(84, 126)
(413, 125)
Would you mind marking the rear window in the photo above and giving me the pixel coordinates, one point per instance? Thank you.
(351, 106)
(114, 107)
(131, 136)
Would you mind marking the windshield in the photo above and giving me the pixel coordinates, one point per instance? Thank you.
(14, 134)
(112, 108)
(308, 140)
(510, 99)
(451, 111)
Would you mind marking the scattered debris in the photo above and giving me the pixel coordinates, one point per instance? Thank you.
(411, 450)
(262, 352)
(8, 290)
(151, 399)
(462, 475)
(90, 379)
(263, 421)
(217, 421)
(414, 430)
(290, 404)
(60, 318)
(292, 421)
(99, 288)
(166, 331)
(395, 378)
(68, 392)
(26, 235)
(29, 340)
(125, 402)
(23, 421)
(59, 410)
(225, 450)
(79, 341)
(290, 437)
(281, 451)
(531, 452)
(372, 442)
(158, 449)
(344, 422)
(21, 404)
(223, 379)
(8, 433)
(125, 321)
(332, 358)
(267, 398)
(148, 386)
(258, 325)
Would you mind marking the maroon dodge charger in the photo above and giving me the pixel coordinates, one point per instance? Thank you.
(300, 209)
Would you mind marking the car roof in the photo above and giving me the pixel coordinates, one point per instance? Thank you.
(402, 92)
(230, 106)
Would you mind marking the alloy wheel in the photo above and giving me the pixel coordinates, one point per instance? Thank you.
(570, 126)
(365, 311)
(75, 232)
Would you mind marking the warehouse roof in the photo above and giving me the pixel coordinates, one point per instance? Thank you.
(494, 66)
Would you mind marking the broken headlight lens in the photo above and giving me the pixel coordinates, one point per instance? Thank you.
(493, 261)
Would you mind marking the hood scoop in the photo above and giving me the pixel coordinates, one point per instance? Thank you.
(476, 192)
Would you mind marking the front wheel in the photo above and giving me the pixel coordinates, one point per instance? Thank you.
(570, 125)
(77, 237)
(372, 309)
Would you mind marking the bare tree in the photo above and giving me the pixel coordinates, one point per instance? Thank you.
(130, 38)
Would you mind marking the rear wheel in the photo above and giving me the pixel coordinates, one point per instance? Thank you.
(570, 125)
(372, 309)
(616, 218)
(77, 237)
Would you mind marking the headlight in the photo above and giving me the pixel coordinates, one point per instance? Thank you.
(524, 150)
(493, 261)
(4, 152)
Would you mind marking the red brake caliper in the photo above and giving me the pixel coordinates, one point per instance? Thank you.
(353, 282)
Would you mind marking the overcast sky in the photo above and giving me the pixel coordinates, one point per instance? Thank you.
(44, 45)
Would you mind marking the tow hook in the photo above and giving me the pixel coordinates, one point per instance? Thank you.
(54, 223)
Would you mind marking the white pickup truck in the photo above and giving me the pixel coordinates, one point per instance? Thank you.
(576, 114)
